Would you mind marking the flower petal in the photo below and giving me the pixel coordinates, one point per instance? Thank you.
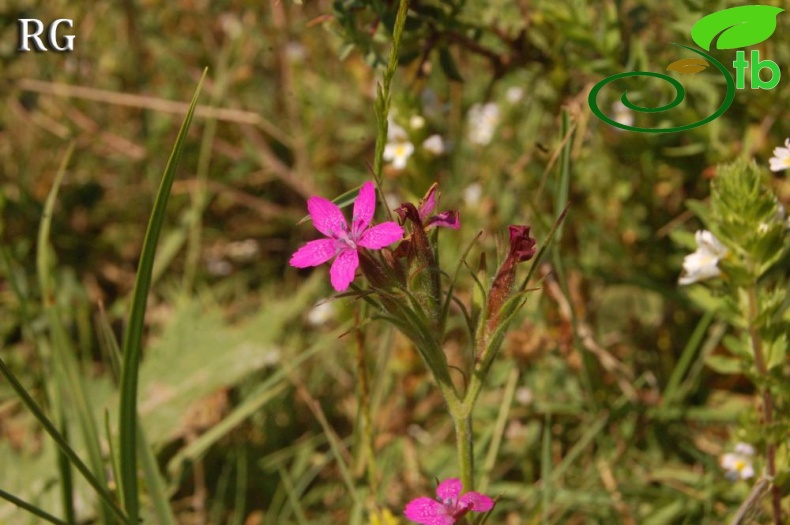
(381, 235)
(428, 202)
(342, 271)
(449, 489)
(327, 217)
(364, 207)
(314, 253)
(448, 219)
(427, 511)
(476, 502)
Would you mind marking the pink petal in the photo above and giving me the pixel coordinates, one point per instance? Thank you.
(476, 501)
(381, 235)
(314, 253)
(364, 207)
(342, 271)
(448, 219)
(449, 489)
(327, 217)
(428, 203)
(427, 511)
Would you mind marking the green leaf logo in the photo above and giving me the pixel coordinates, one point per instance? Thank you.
(688, 66)
(738, 26)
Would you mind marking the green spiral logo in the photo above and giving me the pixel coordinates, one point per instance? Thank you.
(680, 95)
(728, 29)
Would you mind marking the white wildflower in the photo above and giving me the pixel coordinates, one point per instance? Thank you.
(514, 94)
(243, 251)
(781, 159)
(483, 120)
(395, 133)
(434, 144)
(622, 115)
(416, 122)
(398, 153)
(702, 263)
(524, 396)
(472, 194)
(398, 148)
(738, 464)
(321, 313)
(295, 52)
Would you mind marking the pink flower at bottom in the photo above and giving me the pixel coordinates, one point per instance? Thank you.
(343, 242)
(447, 508)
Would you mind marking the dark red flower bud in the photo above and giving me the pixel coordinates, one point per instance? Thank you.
(522, 246)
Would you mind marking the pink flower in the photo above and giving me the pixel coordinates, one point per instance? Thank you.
(447, 508)
(343, 243)
(448, 219)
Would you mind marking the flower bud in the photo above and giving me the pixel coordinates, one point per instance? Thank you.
(522, 248)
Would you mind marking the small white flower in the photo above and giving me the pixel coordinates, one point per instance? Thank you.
(434, 144)
(781, 159)
(219, 267)
(472, 194)
(398, 153)
(243, 251)
(295, 52)
(322, 312)
(622, 115)
(524, 396)
(416, 122)
(514, 94)
(398, 148)
(738, 464)
(702, 263)
(395, 133)
(483, 120)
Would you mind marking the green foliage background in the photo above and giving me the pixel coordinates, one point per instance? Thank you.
(601, 409)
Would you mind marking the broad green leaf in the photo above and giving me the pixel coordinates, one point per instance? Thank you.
(724, 364)
(736, 27)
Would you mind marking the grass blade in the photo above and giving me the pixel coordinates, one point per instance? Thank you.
(132, 347)
(30, 508)
(66, 367)
(50, 429)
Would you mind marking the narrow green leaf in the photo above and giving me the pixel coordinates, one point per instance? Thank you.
(132, 347)
(50, 429)
(44, 515)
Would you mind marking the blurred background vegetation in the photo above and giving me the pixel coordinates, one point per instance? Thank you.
(601, 410)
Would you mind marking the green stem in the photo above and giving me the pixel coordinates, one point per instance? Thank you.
(463, 437)
(365, 424)
(768, 403)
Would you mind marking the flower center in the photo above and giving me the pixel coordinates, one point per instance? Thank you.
(344, 237)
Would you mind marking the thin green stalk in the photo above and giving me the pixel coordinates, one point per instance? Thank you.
(499, 427)
(768, 403)
(383, 91)
(365, 424)
(50, 429)
(200, 195)
(66, 478)
(132, 347)
(24, 505)
(464, 444)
